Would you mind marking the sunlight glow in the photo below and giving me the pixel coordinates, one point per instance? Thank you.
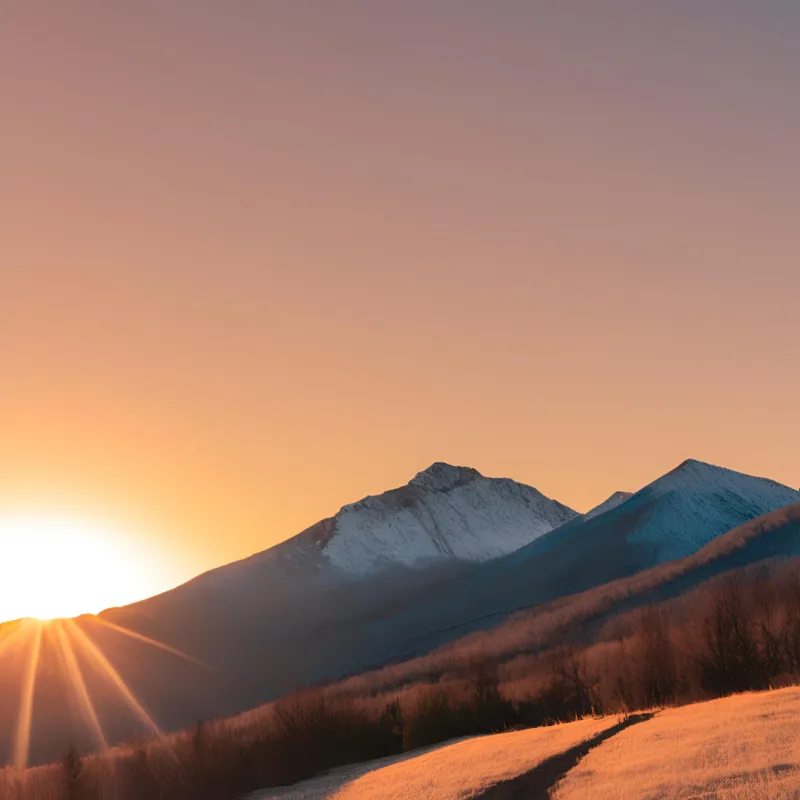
(64, 568)
(57, 569)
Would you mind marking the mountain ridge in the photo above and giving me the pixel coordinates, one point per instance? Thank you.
(672, 517)
(444, 512)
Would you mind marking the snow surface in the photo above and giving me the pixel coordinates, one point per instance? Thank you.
(696, 502)
(445, 513)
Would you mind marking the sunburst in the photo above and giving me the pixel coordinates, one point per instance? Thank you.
(71, 639)
(79, 685)
(25, 718)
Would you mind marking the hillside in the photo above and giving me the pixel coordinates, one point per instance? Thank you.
(745, 746)
(772, 536)
(670, 518)
(448, 772)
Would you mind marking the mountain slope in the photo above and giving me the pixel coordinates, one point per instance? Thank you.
(294, 613)
(773, 536)
(297, 612)
(445, 513)
(670, 518)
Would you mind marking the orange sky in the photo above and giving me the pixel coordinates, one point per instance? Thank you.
(259, 260)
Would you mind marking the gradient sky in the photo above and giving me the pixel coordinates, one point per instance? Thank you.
(258, 260)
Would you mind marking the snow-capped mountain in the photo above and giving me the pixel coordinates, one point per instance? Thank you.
(670, 518)
(399, 574)
(616, 499)
(298, 612)
(444, 513)
(696, 502)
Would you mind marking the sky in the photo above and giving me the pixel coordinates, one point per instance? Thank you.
(258, 260)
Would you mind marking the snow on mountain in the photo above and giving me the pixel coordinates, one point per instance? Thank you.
(444, 513)
(670, 518)
(695, 502)
(615, 500)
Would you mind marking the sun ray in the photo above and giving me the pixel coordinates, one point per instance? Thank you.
(79, 685)
(94, 651)
(25, 720)
(147, 640)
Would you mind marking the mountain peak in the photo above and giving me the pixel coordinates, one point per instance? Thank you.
(446, 513)
(692, 470)
(695, 464)
(616, 499)
(441, 477)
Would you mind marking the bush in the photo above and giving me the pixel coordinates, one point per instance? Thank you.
(571, 693)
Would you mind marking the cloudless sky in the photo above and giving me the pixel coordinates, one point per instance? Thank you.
(258, 260)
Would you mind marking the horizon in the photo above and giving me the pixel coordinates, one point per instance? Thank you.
(264, 261)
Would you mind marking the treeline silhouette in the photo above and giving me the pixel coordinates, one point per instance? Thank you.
(739, 632)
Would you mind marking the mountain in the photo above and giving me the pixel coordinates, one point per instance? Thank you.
(295, 613)
(299, 609)
(668, 519)
(761, 542)
(401, 573)
(445, 513)
(616, 499)
(446, 516)
(772, 536)
(387, 577)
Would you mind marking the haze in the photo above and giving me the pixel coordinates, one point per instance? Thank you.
(259, 260)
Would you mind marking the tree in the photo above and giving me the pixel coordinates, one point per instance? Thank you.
(731, 660)
(571, 693)
(491, 712)
(658, 672)
(73, 777)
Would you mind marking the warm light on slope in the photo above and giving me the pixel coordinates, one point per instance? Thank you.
(63, 568)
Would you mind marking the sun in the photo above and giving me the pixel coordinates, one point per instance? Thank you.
(58, 568)
(55, 569)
